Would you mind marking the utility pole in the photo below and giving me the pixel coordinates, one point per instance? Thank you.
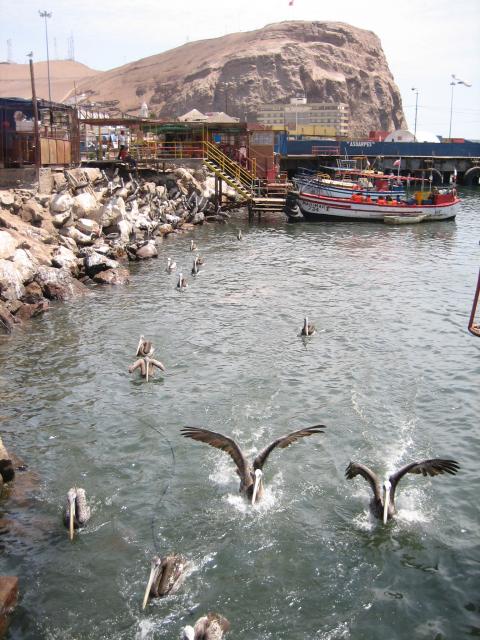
(35, 114)
(416, 110)
(45, 14)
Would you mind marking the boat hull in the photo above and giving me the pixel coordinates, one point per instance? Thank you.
(315, 207)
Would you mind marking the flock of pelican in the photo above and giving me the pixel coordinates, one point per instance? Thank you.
(167, 573)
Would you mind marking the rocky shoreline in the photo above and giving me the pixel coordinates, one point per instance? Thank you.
(53, 246)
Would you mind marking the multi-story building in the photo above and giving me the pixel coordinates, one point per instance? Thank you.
(300, 117)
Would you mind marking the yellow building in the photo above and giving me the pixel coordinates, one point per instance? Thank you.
(319, 119)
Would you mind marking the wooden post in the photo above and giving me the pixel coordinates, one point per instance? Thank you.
(220, 191)
(216, 190)
(35, 119)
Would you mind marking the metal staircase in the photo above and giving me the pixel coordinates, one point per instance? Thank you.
(236, 176)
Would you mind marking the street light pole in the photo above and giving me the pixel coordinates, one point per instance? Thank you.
(45, 15)
(453, 83)
(416, 110)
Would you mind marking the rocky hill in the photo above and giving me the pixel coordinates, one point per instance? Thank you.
(15, 79)
(328, 61)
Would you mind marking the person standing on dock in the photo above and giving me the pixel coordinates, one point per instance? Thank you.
(122, 145)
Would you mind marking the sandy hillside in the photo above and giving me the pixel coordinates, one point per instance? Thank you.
(15, 79)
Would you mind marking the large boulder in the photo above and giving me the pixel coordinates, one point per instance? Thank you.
(85, 205)
(87, 226)
(25, 264)
(61, 202)
(77, 236)
(33, 293)
(95, 262)
(11, 282)
(58, 284)
(8, 244)
(113, 276)
(27, 311)
(32, 212)
(63, 258)
(7, 320)
(64, 218)
(7, 198)
(148, 250)
(112, 211)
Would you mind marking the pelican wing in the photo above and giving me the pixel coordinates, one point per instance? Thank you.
(219, 441)
(432, 467)
(355, 469)
(285, 441)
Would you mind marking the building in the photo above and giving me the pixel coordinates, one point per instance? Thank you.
(300, 117)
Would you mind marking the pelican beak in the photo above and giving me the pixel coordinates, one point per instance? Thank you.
(386, 500)
(140, 342)
(149, 586)
(258, 477)
(71, 518)
(147, 367)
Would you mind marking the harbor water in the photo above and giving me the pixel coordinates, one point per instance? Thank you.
(392, 372)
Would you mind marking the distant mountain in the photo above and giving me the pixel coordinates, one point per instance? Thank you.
(327, 61)
(15, 79)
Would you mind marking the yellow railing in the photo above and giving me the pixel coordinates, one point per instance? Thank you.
(191, 149)
(228, 166)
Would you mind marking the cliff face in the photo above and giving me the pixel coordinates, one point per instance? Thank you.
(328, 61)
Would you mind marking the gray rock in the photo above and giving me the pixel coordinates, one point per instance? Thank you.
(85, 205)
(7, 245)
(58, 284)
(95, 262)
(113, 276)
(11, 282)
(7, 198)
(63, 258)
(61, 202)
(148, 250)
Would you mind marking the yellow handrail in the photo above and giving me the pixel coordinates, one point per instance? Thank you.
(228, 166)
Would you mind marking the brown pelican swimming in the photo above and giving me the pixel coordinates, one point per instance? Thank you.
(239, 234)
(195, 267)
(7, 471)
(250, 474)
(308, 328)
(193, 246)
(144, 347)
(209, 627)
(200, 261)
(382, 505)
(171, 266)
(77, 511)
(182, 282)
(166, 576)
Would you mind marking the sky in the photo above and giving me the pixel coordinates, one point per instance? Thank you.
(425, 41)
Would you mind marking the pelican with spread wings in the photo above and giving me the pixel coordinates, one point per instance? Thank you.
(251, 483)
(382, 504)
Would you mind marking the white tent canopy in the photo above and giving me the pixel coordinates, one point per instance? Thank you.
(403, 135)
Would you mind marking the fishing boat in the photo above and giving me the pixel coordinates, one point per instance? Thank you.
(437, 204)
(348, 180)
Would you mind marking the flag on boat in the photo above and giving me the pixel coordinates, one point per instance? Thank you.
(397, 163)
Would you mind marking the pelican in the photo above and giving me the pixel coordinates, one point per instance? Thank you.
(171, 266)
(195, 267)
(200, 261)
(144, 348)
(383, 506)
(193, 246)
(308, 328)
(77, 512)
(166, 576)
(209, 627)
(239, 234)
(251, 483)
(182, 282)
